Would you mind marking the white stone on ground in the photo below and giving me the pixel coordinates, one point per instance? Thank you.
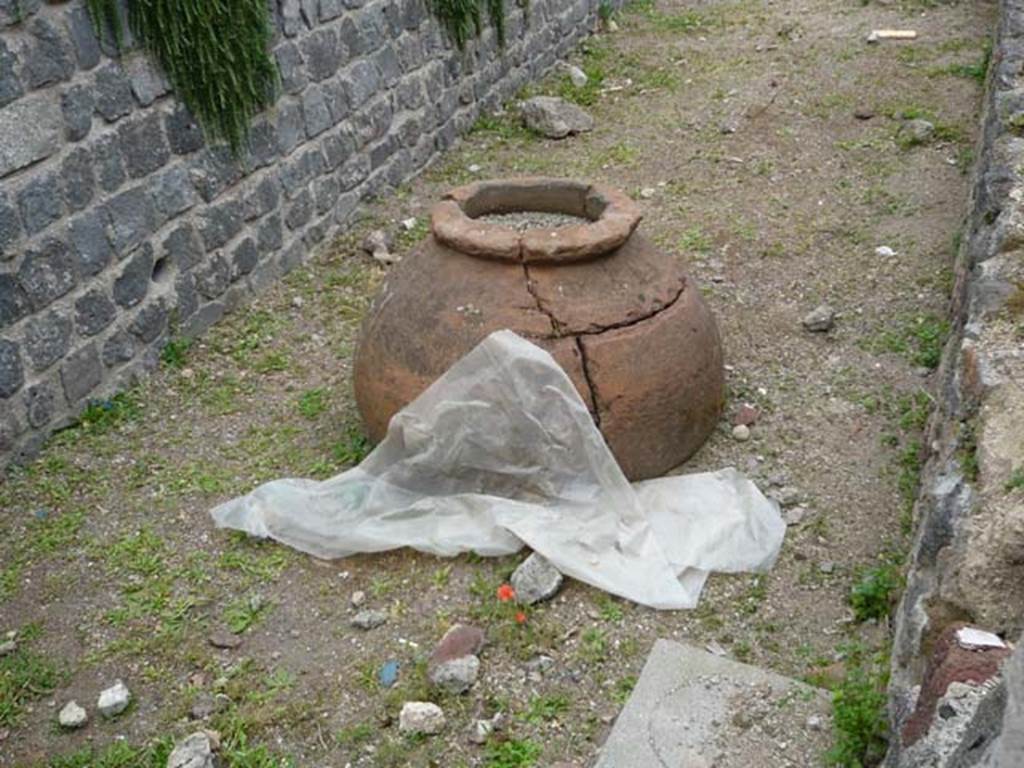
(820, 319)
(457, 675)
(369, 619)
(535, 579)
(72, 716)
(114, 700)
(554, 118)
(421, 717)
(197, 750)
(741, 432)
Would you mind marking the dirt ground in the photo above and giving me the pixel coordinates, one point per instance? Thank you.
(738, 119)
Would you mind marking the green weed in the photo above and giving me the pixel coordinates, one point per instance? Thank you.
(543, 708)
(514, 753)
(873, 594)
(1016, 481)
(24, 676)
(313, 402)
(859, 715)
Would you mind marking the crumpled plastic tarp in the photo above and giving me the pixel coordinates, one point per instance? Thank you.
(502, 451)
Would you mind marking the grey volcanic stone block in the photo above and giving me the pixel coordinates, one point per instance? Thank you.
(83, 38)
(172, 193)
(32, 128)
(40, 404)
(78, 104)
(47, 338)
(77, 180)
(48, 58)
(94, 312)
(322, 54)
(132, 219)
(147, 83)
(143, 145)
(291, 127)
(10, 84)
(14, 303)
(213, 278)
(183, 247)
(81, 373)
(219, 223)
(10, 227)
(270, 235)
(132, 285)
(113, 93)
(315, 113)
(362, 81)
(47, 272)
(89, 242)
(106, 156)
(291, 68)
(119, 348)
(688, 703)
(39, 203)
(150, 322)
(213, 171)
(183, 132)
(12, 375)
(300, 211)
(244, 258)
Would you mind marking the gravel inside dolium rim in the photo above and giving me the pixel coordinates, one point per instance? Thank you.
(767, 143)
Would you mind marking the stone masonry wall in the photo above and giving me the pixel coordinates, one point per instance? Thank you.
(967, 563)
(119, 226)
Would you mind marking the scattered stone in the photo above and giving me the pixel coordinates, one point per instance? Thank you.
(7, 647)
(917, 131)
(207, 705)
(729, 126)
(795, 515)
(864, 113)
(474, 168)
(611, 25)
(410, 224)
(480, 731)
(647, 193)
(521, 221)
(746, 416)
(224, 639)
(198, 750)
(114, 700)
(555, 118)
(827, 566)
(72, 716)
(741, 432)
(378, 244)
(369, 619)
(820, 320)
(456, 676)
(576, 75)
(535, 579)
(358, 598)
(714, 647)
(388, 674)
(461, 640)
(787, 496)
(421, 717)
(885, 252)
(814, 722)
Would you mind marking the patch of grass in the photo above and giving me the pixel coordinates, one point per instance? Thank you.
(175, 352)
(542, 708)
(914, 410)
(623, 688)
(505, 128)
(593, 646)
(103, 416)
(407, 238)
(859, 713)
(353, 447)
(244, 613)
(1016, 481)
(610, 609)
(967, 451)
(120, 754)
(24, 676)
(909, 478)
(693, 240)
(513, 753)
(313, 402)
(918, 338)
(354, 735)
(874, 593)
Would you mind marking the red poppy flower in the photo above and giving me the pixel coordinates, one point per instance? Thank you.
(520, 617)
(506, 593)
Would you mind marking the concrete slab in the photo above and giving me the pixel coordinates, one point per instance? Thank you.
(692, 709)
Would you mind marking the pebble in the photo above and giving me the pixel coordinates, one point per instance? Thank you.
(787, 496)
(554, 118)
(72, 716)
(864, 113)
(456, 676)
(410, 224)
(647, 193)
(297, 302)
(224, 639)
(480, 731)
(741, 432)
(114, 700)
(369, 619)
(885, 252)
(421, 717)
(795, 515)
(827, 566)
(917, 131)
(474, 168)
(378, 244)
(206, 705)
(535, 579)
(358, 598)
(814, 722)
(746, 415)
(7, 647)
(576, 75)
(820, 320)
(197, 750)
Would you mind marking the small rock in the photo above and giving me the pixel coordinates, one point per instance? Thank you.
(297, 302)
(410, 224)
(198, 750)
(576, 75)
(535, 579)
(554, 118)
(611, 25)
(827, 566)
(474, 168)
(917, 131)
(787, 496)
(377, 240)
(820, 320)
(72, 716)
(480, 731)
(885, 252)
(795, 515)
(7, 647)
(741, 432)
(114, 700)
(864, 113)
(746, 415)
(814, 722)
(455, 676)
(358, 598)
(421, 717)
(647, 193)
(224, 639)
(369, 619)
(388, 674)
(205, 705)
(461, 640)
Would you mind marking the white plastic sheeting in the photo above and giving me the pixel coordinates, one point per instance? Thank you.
(501, 452)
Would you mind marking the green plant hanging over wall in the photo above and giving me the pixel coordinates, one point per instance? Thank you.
(463, 19)
(215, 54)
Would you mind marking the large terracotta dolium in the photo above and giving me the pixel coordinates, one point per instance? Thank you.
(620, 316)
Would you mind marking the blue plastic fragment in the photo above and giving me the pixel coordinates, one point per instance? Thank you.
(388, 674)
